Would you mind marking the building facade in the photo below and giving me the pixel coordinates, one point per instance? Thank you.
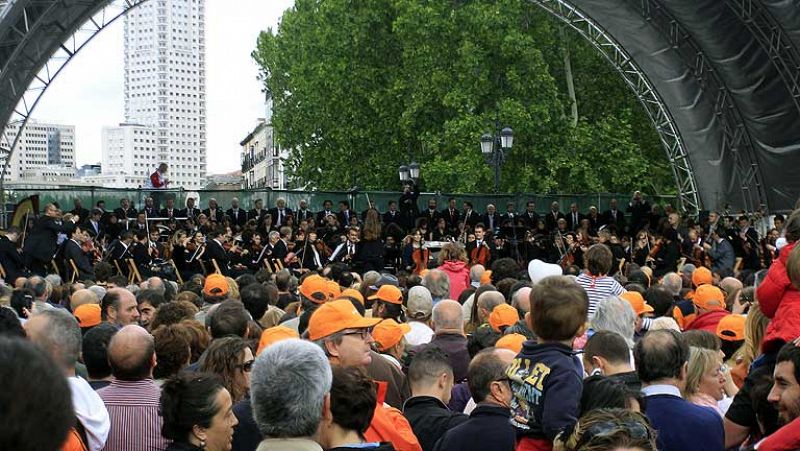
(165, 87)
(129, 156)
(263, 162)
(44, 152)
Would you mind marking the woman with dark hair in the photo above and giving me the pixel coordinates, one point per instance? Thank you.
(232, 360)
(197, 412)
(605, 429)
(173, 350)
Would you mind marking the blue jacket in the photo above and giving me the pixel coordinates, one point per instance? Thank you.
(488, 429)
(547, 381)
(683, 426)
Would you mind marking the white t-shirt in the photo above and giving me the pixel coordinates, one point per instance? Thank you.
(420, 334)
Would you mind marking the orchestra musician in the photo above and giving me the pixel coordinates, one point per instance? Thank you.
(349, 250)
(190, 211)
(216, 251)
(73, 250)
(169, 210)
(480, 251)
(258, 212)
(12, 260)
(415, 254)
(41, 246)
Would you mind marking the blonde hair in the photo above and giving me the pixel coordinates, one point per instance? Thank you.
(754, 327)
(664, 322)
(453, 251)
(233, 289)
(701, 360)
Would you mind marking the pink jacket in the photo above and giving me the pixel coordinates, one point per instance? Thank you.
(458, 273)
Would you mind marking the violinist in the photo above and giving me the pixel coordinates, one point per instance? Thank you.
(348, 251)
(415, 254)
(194, 253)
(94, 225)
(215, 251)
(158, 247)
(480, 251)
(73, 250)
(308, 256)
(178, 251)
(641, 248)
(142, 252)
(666, 252)
(42, 245)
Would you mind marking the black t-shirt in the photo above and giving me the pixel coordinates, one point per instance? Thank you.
(750, 405)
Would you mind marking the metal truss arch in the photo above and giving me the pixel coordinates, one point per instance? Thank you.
(38, 40)
(641, 86)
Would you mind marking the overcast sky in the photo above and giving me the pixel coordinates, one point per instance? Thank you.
(89, 92)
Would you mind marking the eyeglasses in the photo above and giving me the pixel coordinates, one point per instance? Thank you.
(362, 333)
(246, 366)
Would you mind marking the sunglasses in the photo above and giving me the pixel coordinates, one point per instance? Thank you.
(246, 366)
(362, 333)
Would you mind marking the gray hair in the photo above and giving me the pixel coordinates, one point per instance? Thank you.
(672, 282)
(62, 337)
(54, 279)
(288, 385)
(616, 315)
(448, 314)
(274, 234)
(522, 299)
(476, 272)
(437, 282)
(155, 283)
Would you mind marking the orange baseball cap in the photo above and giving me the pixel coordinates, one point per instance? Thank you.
(388, 293)
(512, 342)
(709, 297)
(702, 276)
(336, 316)
(216, 285)
(636, 301)
(731, 327)
(486, 277)
(315, 288)
(275, 334)
(353, 293)
(388, 333)
(88, 315)
(333, 289)
(503, 315)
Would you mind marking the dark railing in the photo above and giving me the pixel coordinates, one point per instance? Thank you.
(358, 200)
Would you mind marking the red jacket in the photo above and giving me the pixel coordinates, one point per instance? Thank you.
(708, 321)
(779, 300)
(786, 438)
(458, 273)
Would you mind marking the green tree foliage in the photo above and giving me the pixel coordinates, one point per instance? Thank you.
(362, 86)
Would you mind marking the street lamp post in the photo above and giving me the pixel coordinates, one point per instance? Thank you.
(494, 149)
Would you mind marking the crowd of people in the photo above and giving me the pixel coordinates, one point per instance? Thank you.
(440, 329)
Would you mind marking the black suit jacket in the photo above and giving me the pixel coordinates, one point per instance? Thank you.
(186, 213)
(471, 218)
(551, 221)
(431, 215)
(240, 218)
(164, 213)
(279, 250)
(81, 213)
(11, 259)
(95, 233)
(344, 220)
(389, 218)
(73, 251)
(617, 218)
(531, 220)
(42, 243)
(299, 215)
(151, 212)
(274, 213)
(321, 217)
(256, 214)
(219, 214)
(217, 252)
(451, 219)
(491, 225)
(122, 214)
(571, 224)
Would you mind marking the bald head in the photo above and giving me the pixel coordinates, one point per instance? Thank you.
(82, 297)
(672, 282)
(476, 272)
(447, 315)
(487, 301)
(522, 299)
(131, 354)
(730, 284)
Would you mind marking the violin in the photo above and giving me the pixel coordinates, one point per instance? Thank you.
(91, 251)
(322, 249)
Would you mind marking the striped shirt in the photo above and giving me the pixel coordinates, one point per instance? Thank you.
(135, 422)
(598, 288)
